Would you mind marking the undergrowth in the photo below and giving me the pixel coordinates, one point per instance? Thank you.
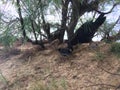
(115, 48)
(100, 56)
(53, 85)
(3, 79)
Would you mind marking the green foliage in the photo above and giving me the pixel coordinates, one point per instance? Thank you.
(107, 30)
(7, 39)
(40, 11)
(115, 48)
(3, 79)
(100, 56)
(53, 85)
(57, 2)
(118, 1)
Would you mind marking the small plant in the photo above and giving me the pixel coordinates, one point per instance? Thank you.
(115, 48)
(39, 86)
(53, 85)
(7, 40)
(100, 56)
(63, 84)
(3, 79)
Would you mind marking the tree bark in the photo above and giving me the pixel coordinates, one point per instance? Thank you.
(33, 29)
(64, 19)
(21, 19)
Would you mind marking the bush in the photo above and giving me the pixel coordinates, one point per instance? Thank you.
(115, 48)
(100, 56)
(7, 40)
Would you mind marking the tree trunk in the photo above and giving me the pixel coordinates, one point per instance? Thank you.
(21, 19)
(73, 20)
(64, 19)
(33, 29)
(78, 9)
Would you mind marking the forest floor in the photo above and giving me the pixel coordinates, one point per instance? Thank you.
(90, 67)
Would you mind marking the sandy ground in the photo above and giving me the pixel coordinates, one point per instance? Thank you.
(90, 67)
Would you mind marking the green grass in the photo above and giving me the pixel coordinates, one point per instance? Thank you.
(115, 48)
(100, 56)
(3, 79)
(53, 85)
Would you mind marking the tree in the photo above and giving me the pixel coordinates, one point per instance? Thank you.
(33, 17)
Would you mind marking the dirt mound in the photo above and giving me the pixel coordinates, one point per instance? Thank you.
(90, 67)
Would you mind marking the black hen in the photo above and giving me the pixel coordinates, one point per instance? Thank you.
(84, 34)
(65, 51)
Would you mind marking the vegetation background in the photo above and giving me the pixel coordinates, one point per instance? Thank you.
(33, 30)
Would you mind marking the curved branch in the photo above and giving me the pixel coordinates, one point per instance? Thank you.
(101, 84)
(108, 11)
(109, 72)
(113, 37)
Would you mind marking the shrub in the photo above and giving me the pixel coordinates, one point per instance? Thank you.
(100, 56)
(115, 48)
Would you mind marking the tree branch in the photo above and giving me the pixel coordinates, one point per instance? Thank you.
(108, 11)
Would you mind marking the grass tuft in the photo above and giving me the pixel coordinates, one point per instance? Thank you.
(53, 85)
(115, 48)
